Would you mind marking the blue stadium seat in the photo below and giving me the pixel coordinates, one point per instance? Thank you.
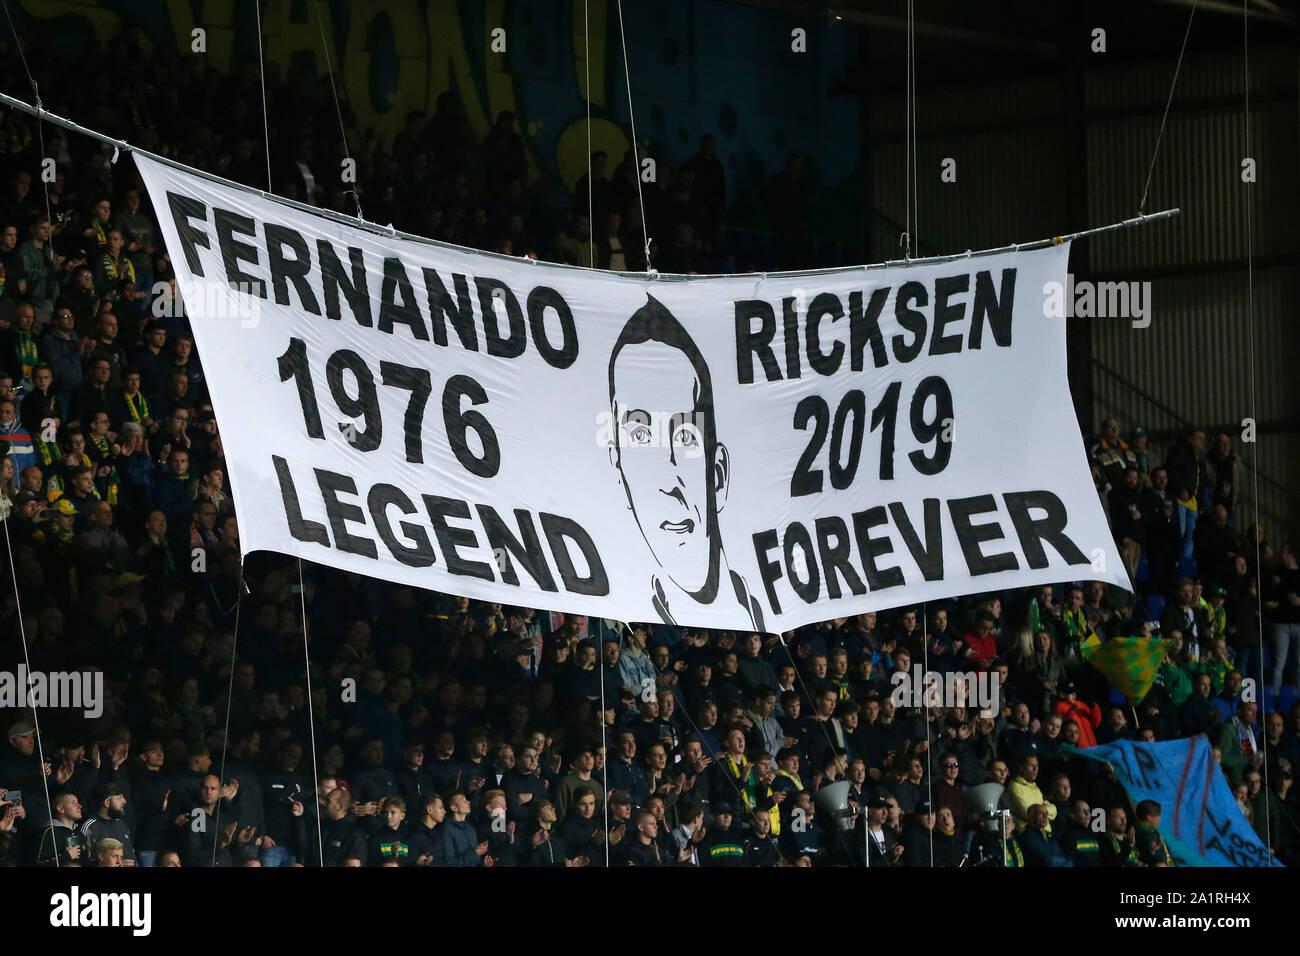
(1266, 697)
(1187, 567)
(1116, 697)
(1155, 606)
(1289, 697)
(1143, 572)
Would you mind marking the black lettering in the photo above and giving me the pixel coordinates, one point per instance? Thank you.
(1148, 768)
(877, 578)
(513, 346)
(910, 319)
(449, 538)
(928, 556)
(557, 529)
(419, 555)
(790, 320)
(865, 328)
(768, 570)
(825, 304)
(944, 313)
(751, 342)
(334, 278)
(528, 552)
(441, 309)
(996, 307)
(183, 210)
(340, 513)
(835, 557)
(285, 270)
(539, 300)
(397, 301)
(302, 530)
(1034, 531)
(233, 252)
(796, 533)
(972, 536)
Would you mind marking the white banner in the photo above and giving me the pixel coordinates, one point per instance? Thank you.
(745, 452)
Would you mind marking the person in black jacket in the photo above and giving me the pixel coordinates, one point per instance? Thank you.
(880, 841)
(344, 841)
(1186, 615)
(1282, 610)
(373, 783)
(582, 831)
(413, 781)
(544, 846)
(1131, 508)
(238, 766)
(390, 845)
(496, 828)
(110, 821)
(186, 783)
(209, 834)
(455, 841)
(642, 847)
(760, 845)
(918, 836)
(1036, 840)
(20, 767)
(424, 849)
(63, 838)
(1198, 715)
(524, 785)
(284, 788)
(1186, 484)
(723, 842)
(151, 789)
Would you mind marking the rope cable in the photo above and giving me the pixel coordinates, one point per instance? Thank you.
(261, 71)
(22, 630)
(1172, 86)
(338, 110)
(1254, 407)
(636, 159)
(225, 735)
(311, 717)
(591, 208)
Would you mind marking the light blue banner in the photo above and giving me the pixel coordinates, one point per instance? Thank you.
(1200, 819)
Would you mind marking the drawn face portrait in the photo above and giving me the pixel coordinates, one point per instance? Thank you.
(670, 465)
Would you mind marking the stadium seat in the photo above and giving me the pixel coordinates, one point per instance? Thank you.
(1187, 567)
(1288, 699)
(1143, 572)
(1155, 606)
(1116, 697)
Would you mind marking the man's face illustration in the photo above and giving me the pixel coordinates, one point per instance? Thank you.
(675, 484)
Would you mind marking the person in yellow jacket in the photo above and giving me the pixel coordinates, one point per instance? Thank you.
(758, 793)
(1022, 793)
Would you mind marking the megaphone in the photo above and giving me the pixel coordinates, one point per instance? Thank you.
(984, 800)
(832, 802)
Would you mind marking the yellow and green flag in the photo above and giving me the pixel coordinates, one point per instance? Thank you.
(1130, 663)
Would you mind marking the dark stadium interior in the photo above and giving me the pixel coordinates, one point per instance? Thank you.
(450, 732)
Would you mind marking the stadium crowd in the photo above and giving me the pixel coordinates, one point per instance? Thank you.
(435, 731)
